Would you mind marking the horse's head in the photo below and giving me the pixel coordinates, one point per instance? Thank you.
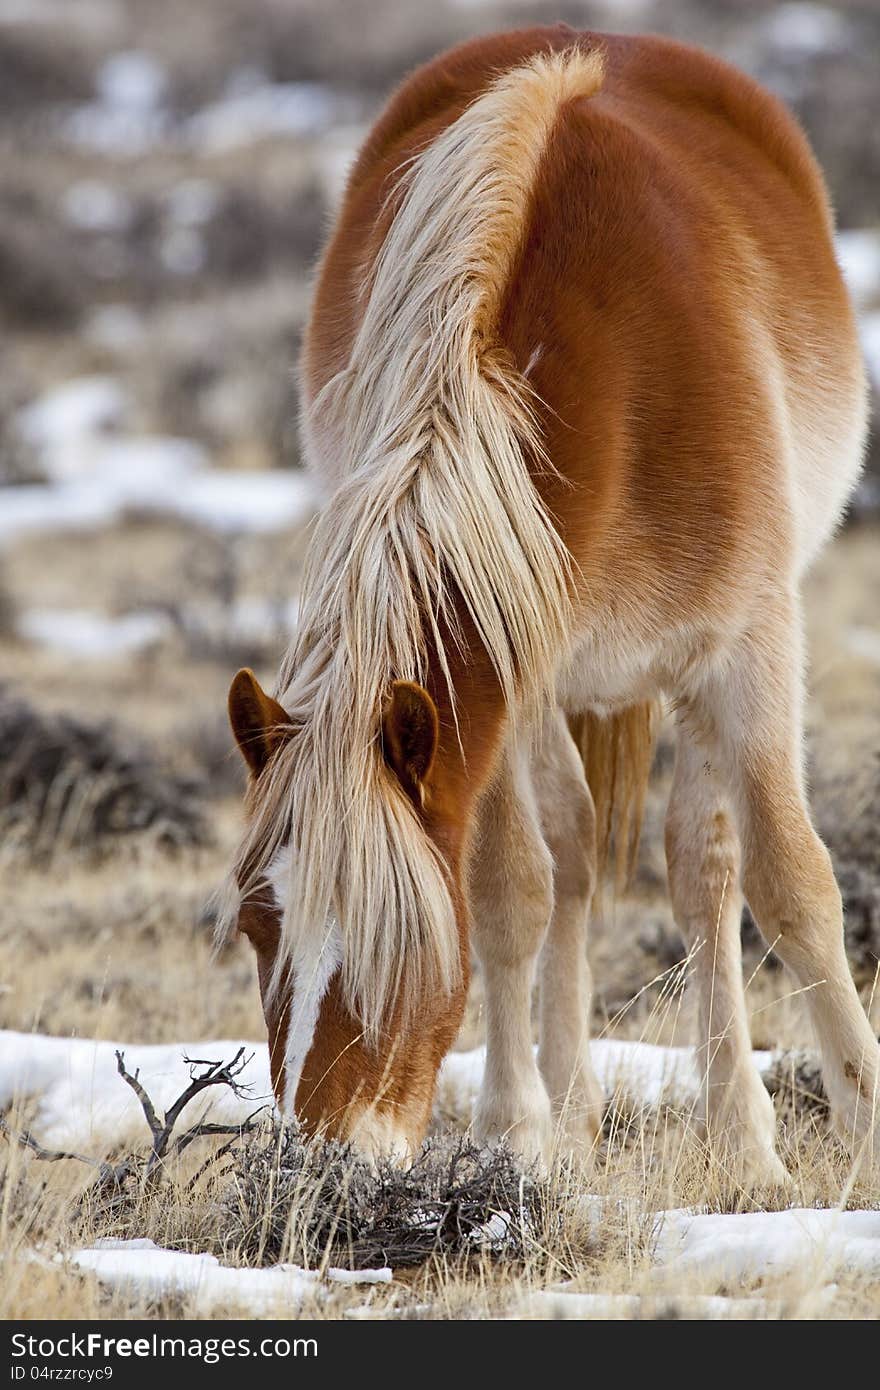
(371, 1084)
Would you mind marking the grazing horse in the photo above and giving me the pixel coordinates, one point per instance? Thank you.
(582, 386)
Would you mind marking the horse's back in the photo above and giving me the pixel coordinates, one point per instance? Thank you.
(675, 304)
(680, 311)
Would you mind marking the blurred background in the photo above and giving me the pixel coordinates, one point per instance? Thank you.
(167, 174)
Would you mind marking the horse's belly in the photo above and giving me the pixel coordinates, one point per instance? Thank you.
(600, 678)
(608, 671)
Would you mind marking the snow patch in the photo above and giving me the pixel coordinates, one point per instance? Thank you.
(553, 1304)
(869, 325)
(815, 1243)
(115, 327)
(128, 117)
(96, 207)
(864, 642)
(58, 421)
(255, 109)
(643, 1072)
(83, 1103)
(132, 81)
(98, 17)
(82, 1098)
(243, 500)
(97, 474)
(858, 255)
(807, 30)
(90, 634)
(80, 632)
(154, 1272)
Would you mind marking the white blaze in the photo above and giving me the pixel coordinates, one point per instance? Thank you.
(312, 969)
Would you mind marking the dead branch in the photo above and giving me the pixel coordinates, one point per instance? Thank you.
(109, 1174)
(213, 1159)
(215, 1074)
(146, 1104)
(200, 1131)
(27, 1141)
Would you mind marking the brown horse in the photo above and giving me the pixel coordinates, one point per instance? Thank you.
(583, 388)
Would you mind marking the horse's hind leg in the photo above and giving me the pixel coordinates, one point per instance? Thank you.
(787, 873)
(703, 862)
(511, 898)
(569, 824)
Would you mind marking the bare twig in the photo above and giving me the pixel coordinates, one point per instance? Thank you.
(24, 1138)
(109, 1174)
(200, 1131)
(217, 1074)
(213, 1159)
(146, 1104)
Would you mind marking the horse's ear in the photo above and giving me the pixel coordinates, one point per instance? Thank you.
(410, 734)
(258, 722)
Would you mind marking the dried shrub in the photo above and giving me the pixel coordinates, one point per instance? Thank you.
(794, 1080)
(315, 1201)
(68, 785)
(36, 71)
(40, 284)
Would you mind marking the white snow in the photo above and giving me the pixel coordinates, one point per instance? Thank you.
(193, 202)
(128, 116)
(100, 480)
(338, 150)
(90, 634)
(82, 1097)
(117, 132)
(858, 254)
(97, 474)
(742, 1247)
(132, 81)
(84, 1103)
(182, 251)
(258, 619)
(807, 30)
(869, 325)
(242, 500)
(118, 328)
(864, 642)
(152, 1271)
(99, 17)
(57, 423)
(93, 206)
(81, 632)
(29, 507)
(555, 1304)
(255, 109)
(642, 1071)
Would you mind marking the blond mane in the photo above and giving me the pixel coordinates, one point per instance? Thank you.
(437, 507)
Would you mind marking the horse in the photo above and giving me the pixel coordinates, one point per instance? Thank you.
(582, 389)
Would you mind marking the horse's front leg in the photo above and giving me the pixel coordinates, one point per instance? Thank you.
(511, 900)
(568, 820)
